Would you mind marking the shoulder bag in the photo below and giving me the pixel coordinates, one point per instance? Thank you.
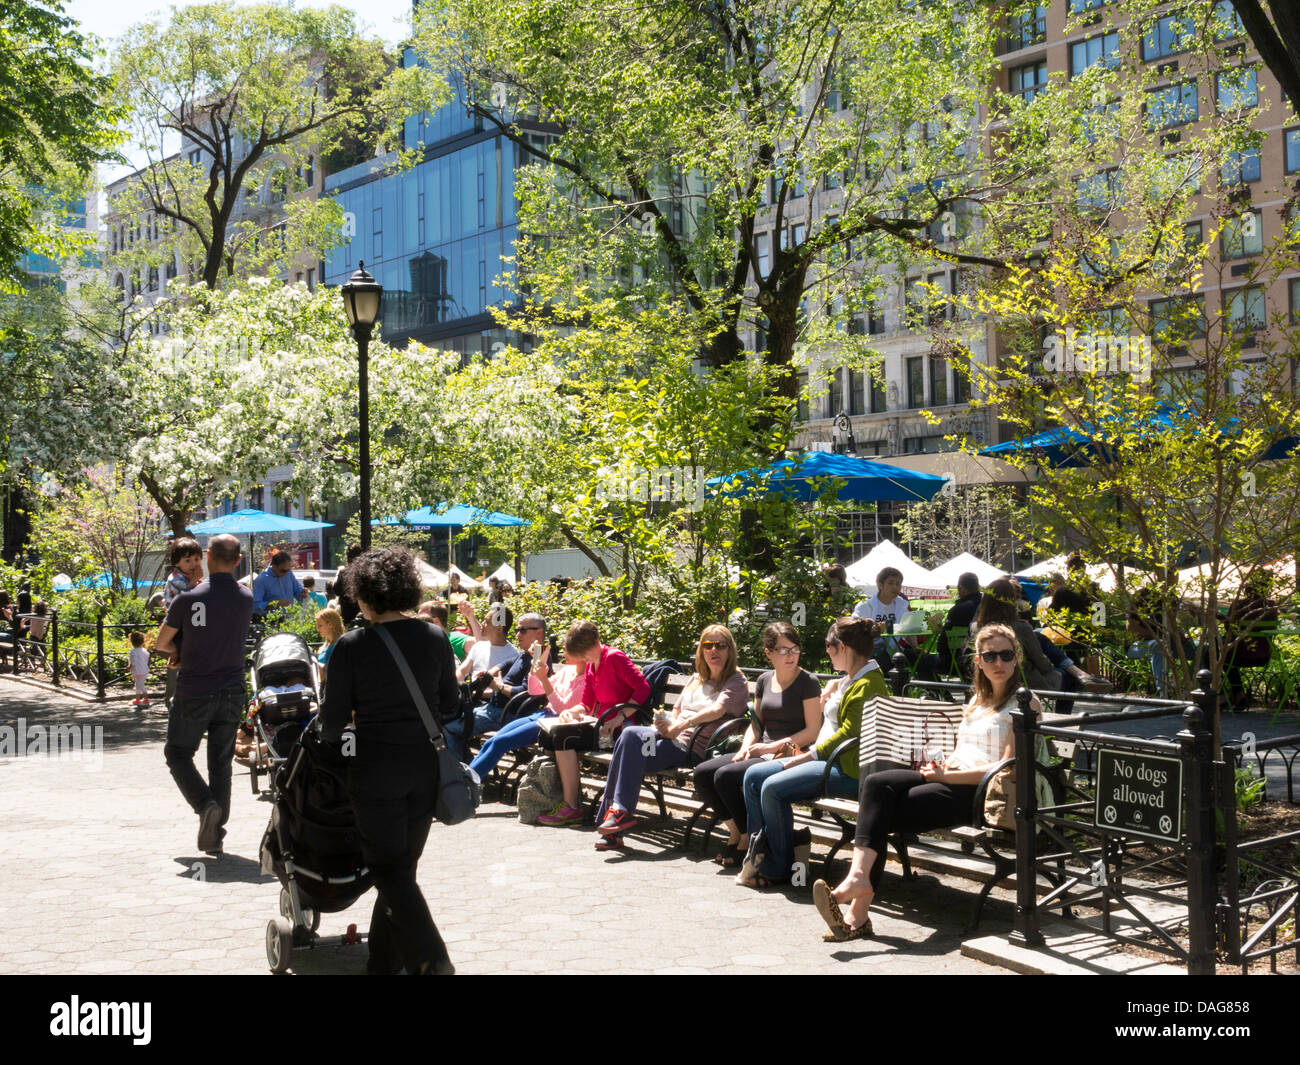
(458, 785)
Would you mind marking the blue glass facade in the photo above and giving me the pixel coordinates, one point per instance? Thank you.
(434, 235)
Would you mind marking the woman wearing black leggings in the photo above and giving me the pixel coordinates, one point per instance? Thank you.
(393, 773)
(904, 800)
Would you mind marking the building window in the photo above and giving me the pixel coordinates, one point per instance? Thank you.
(1028, 27)
(961, 378)
(1029, 80)
(1236, 89)
(1168, 36)
(1082, 7)
(802, 412)
(915, 381)
(1293, 298)
(875, 321)
(1292, 150)
(1242, 235)
(834, 393)
(857, 391)
(196, 157)
(1244, 309)
(311, 278)
(1104, 49)
(1178, 319)
(938, 381)
(1100, 190)
(763, 247)
(1227, 23)
(377, 232)
(878, 400)
(1174, 105)
(1240, 167)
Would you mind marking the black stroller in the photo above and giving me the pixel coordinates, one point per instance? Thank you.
(280, 661)
(311, 844)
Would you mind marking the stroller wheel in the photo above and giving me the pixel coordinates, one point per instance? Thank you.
(310, 916)
(279, 944)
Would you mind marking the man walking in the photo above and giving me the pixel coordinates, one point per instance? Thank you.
(212, 621)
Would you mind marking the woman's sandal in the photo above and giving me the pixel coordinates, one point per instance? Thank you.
(730, 856)
(829, 908)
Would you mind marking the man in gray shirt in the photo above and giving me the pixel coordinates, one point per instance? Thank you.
(212, 621)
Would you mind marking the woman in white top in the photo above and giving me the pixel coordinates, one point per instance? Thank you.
(903, 800)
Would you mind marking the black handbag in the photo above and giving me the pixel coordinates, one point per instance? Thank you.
(458, 785)
(567, 735)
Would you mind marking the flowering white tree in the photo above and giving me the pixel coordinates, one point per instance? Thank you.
(264, 375)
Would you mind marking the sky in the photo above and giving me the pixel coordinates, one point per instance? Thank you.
(388, 19)
(107, 20)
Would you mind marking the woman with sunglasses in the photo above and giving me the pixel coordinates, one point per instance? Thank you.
(787, 713)
(715, 692)
(771, 788)
(904, 800)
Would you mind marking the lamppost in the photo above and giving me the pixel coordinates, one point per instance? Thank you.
(361, 297)
(842, 442)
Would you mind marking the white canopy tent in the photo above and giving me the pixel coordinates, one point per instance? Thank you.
(505, 572)
(466, 581)
(966, 563)
(431, 577)
(917, 580)
(1100, 573)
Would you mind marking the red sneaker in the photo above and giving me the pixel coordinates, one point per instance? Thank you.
(610, 843)
(617, 823)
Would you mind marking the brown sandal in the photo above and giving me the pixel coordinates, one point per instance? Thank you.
(863, 931)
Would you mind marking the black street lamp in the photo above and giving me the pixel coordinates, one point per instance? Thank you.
(842, 442)
(361, 296)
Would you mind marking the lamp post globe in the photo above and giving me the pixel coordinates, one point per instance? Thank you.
(361, 300)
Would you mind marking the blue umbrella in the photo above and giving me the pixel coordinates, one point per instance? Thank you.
(802, 477)
(249, 522)
(456, 516)
(1066, 446)
(105, 580)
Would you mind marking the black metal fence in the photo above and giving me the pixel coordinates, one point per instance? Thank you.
(99, 667)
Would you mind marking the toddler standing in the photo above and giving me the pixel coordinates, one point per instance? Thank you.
(139, 669)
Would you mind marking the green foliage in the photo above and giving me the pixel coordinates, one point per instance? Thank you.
(299, 618)
(263, 91)
(55, 125)
(1248, 785)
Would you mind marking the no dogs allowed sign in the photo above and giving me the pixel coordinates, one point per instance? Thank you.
(1139, 794)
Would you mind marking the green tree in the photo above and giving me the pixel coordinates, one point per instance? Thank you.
(56, 123)
(256, 96)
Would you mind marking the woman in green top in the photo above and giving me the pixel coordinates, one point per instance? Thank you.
(772, 788)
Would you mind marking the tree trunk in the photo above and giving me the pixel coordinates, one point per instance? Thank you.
(596, 560)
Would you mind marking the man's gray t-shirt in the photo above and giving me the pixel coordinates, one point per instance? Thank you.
(212, 619)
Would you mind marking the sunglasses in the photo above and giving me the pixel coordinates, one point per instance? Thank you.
(710, 645)
(788, 652)
(998, 656)
(527, 628)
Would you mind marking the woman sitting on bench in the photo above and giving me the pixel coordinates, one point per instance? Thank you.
(771, 788)
(904, 800)
(716, 691)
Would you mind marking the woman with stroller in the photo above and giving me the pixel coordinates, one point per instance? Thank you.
(905, 800)
(393, 776)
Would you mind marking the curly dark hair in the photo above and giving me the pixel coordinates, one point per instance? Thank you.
(385, 578)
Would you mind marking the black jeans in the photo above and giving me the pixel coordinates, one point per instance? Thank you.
(217, 714)
(720, 783)
(394, 789)
(900, 800)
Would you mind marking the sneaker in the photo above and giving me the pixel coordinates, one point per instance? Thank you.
(617, 823)
(562, 815)
(144, 703)
(135, 701)
(210, 828)
(610, 843)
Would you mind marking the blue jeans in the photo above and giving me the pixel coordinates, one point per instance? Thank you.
(770, 792)
(519, 733)
(218, 714)
(486, 718)
(1150, 649)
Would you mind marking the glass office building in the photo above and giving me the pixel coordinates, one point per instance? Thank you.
(433, 235)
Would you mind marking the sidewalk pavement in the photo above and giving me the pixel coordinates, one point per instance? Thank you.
(101, 875)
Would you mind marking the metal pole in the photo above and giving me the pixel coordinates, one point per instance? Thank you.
(1198, 842)
(54, 644)
(99, 656)
(362, 333)
(1024, 720)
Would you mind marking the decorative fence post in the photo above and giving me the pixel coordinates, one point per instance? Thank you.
(1025, 721)
(54, 644)
(99, 656)
(898, 676)
(1202, 896)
